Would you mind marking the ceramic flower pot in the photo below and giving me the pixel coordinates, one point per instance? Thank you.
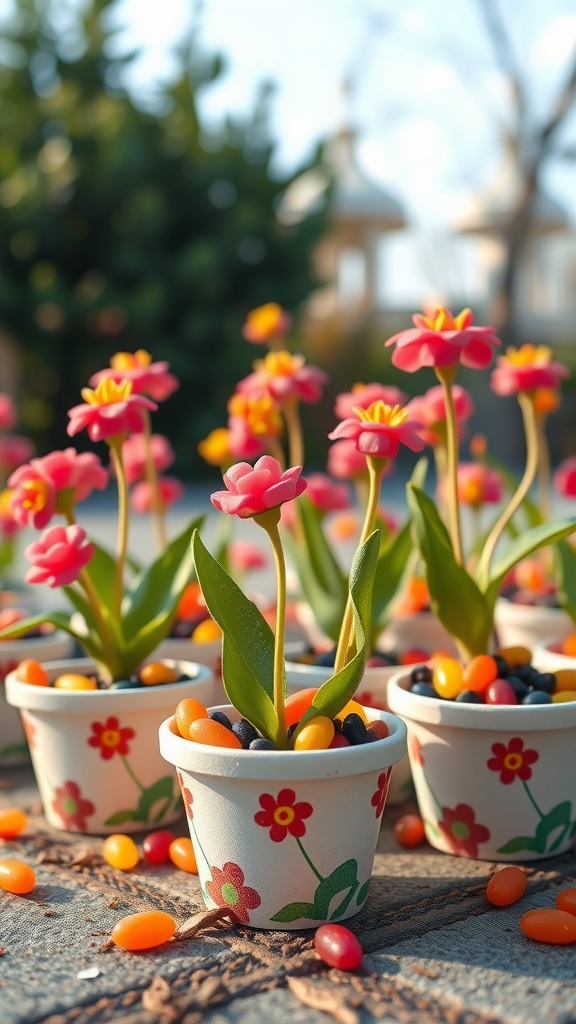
(209, 654)
(285, 839)
(423, 630)
(528, 625)
(95, 752)
(547, 655)
(492, 782)
(373, 693)
(13, 745)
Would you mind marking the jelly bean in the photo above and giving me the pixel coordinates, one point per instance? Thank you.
(187, 711)
(413, 656)
(480, 671)
(447, 677)
(421, 674)
(156, 673)
(297, 705)
(315, 735)
(173, 726)
(120, 852)
(245, 732)
(500, 692)
(206, 632)
(156, 846)
(514, 656)
(16, 877)
(204, 730)
(338, 740)
(326, 659)
(71, 681)
(563, 696)
(377, 730)
(469, 697)
(219, 716)
(354, 729)
(506, 886)
(338, 947)
(423, 689)
(545, 681)
(145, 930)
(191, 603)
(30, 671)
(565, 679)
(183, 856)
(568, 646)
(353, 708)
(556, 927)
(260, 743)
(13, 821)
(409, 830)
(537, 697)
(566, 900)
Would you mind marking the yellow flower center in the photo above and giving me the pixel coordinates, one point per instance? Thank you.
(215, 448)
(37, 493)
(379, 412)
(284, 816)
(279, 364)
(261, 414)
(6, 502)
(513, 762)
(265, 319)
(107, 392)
(111, 738)
(130, 360)
(529, 355)
(442, 319)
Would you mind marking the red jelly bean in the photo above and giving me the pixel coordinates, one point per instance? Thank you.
(552, 926)
(409, 830)
(339, 741)
(506, 886)
(156, 846)
(377, 730)
(500, 692)
(338, 947)
(566, 900)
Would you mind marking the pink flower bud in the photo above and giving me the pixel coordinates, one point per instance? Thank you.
(170, 490)
(58, 556)
(134, 455)
(245, 556)
(255, 489)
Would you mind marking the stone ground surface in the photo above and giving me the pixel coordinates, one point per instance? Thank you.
(435, 949)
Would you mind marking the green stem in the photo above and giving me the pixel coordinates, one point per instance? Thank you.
(116, 452)
(105, 634)
(446, 375)
(532, 800)
(152, 478)
(375, 471)
(531, 432)
(307, 859)
(440, 463)
(269, 522)
(200, 847)
(543, 469)
(294, 429)
(132, 776)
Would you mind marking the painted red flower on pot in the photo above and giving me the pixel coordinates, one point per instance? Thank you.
(416, 751)
(462, 831)
(110, 738)
(29, 729)
(186, 796)
(227, 889)
(283, 816)
(512, 761)
(379, 797)
(71, 807)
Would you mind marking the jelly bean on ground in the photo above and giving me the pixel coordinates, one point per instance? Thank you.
(145, 930)
(18, 877)
(506, 886)
(183, 856)
(13, 821)
(566, 900)
(337, 946)
(156, 672)
(409, 830)
(187, 711)
(120, 852)
(205, 730)
(555, 927)
(32, 672)
(315, 735)
(156, 846)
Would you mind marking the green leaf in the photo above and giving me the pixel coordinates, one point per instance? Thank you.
(102, 572)
(60, 620)
(340, 688)
(566, 578)
(247, 642)
(390, 571)
(558, 818)
(322, 580)
(518, 844)
(162, 790)
(121, 817)
(294, 911)
(343, 877)
(512, 482)
(529, 541)
(454, 596)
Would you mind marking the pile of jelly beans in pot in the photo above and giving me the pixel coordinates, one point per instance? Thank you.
(156, 673)
(506, 677)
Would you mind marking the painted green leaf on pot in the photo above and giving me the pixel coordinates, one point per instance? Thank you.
(566, 576)
(322, 580)
(121, 817)
(162, 790)
(343, 878)
(558, 818)
(295, 911)
(247, 644)
(362, 893)
(518, 844)
(454, 596)
(14, 750)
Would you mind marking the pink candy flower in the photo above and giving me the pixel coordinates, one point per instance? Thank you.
(380, 430)
(284, 377)
(7, 412)
(363, 395)
(14, 450)
(58, 556)
(8, 525)
(430, 410)
(241, 441)
(565, 478)
(110, 410)
(245, 556)
(477, 485)
(443, 340)
(252, 490)
(528, 368)
(38, 484)
(134, 455)
(345, 461)
(146, 377)
(170, 490)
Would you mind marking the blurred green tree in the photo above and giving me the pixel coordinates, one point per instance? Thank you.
(122, 228)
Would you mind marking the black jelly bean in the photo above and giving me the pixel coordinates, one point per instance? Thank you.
(423, 689)
(469, 697)
(519, 686)
(245, 732)
(501, 665)
(544, 682)
(354, 729)
(421, 674)
(261, 744)
(537, 697)
(219, 716)
(326, 658)
(124, 684)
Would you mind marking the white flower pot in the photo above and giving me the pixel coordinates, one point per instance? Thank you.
(285, 839)
(527, 625)
(493, 783)
(13, 745)
(95, 752)
(423, 629)
(209, 654)
(373, 693)
(547, 656)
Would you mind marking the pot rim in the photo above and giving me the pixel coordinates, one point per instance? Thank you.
(285, 765)
(504, 604)
(543, 647)
(33, 642)
(502, 718)
(373, 673)
(46, 698)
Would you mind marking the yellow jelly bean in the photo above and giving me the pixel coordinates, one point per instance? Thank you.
(120, 852)
(353, 708)
(71, 681)
(315, 735)
(515, 656)
(156, 673)
(448, 678)
(565, 679)
(563, 696)
(206, 632)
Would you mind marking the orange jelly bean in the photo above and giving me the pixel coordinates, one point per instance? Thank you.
(120, 852)
(479, 672)
(566, 900)
(156, 673)
(553, 926)
(297, 705)
(316, 734)
(145, 930)
(206, 730)
(206, 632)
(448, 677)
(515, 656)
(13, 821)
(187, 711)
(30, 671)
(183, 856)
(569, 645)
(565, 679)
(17, 877)
(506, 886)
(72, 681)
